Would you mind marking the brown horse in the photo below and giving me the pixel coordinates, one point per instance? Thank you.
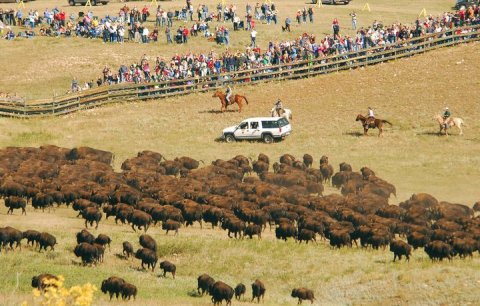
(377, 123)
(233, 99)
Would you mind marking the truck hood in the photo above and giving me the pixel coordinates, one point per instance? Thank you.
(230, 129)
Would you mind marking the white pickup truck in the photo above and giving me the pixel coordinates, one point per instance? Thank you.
(267, 129)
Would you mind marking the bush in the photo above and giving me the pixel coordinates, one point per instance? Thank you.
(55, 294)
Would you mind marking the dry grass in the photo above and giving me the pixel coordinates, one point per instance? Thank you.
(44, 67)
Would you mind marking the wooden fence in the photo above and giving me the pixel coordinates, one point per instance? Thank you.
(300, 69)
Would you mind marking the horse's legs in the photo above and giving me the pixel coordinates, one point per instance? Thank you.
(239, 106)
(460, 128)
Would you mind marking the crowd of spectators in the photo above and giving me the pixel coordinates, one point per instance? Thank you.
(305, 47)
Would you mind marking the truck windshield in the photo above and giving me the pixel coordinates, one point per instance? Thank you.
(282, 122)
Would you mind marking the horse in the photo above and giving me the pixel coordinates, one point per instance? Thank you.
(233, 99)
(284, 112)
(377, 123)
(451, 122)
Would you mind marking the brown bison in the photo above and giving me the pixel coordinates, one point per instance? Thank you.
(240, 290)
(400, 248)
(258, 290)
(438, 250)
(167, 266)
(91, 215)
(171, 225)
(204, 282)
(32, 236)
(129, 290)
(43, 281)
(127, 249)
(303, 294)
(139, 219)
(85, 236)
(15, 203)
(87, 252)
(221, 291)
(148, 257)
(148, 242)
(47, 240)
(112, 285)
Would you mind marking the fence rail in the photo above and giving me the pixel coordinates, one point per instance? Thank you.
(129, 92)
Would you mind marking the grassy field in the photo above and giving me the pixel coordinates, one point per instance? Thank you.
(48, 65)
(411, 155)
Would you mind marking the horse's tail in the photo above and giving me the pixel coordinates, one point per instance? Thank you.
(245, 98)
(385, 121)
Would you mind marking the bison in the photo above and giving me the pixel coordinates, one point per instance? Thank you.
(148, 242)
(204, 282)
(43, 281)
(303, 294)
(258, 290)
(87, 252)
(103, 240)
(221, 291)
(140, 219)
(400, 248)
(85, 236)
(306, 235)
(32, 236)
(47, 240)
(15, 203)
(240, 290)
(171, 225)
(148, 257)
(167, 266)
(128, 290)
(91, 215)
(438, 250)
(127, 249)
(112, 285)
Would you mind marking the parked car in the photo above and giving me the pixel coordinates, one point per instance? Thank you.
(267, 129)
(466, 3)
(332, 1)
(83, 2)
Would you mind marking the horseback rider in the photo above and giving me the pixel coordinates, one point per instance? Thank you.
(446, 117)
(278, 107)
(370, 117)
(228, 94)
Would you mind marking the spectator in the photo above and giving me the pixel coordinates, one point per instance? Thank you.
(304, 15)
(354, 20)
(145, 35)
(287, 24)
(310, 14)
(226, 36)
(185, 35)
(335, 27)
(298, 16)
(253, 36)
(168, 35)
(145, 13)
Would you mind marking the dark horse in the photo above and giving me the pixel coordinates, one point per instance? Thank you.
(377, 123)
(233, 99)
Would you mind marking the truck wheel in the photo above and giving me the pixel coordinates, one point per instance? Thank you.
(267, 138)
(94, 2)
(229, 138)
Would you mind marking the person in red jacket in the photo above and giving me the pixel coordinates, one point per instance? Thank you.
(185, 35)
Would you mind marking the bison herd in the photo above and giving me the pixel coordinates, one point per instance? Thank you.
(242, 196)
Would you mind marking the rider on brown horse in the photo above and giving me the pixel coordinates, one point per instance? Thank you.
(228, 94)
(370, 117)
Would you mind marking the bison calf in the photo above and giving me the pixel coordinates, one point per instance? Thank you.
(240, 290)
(128, 290)
(167, 266)
(127, 249)
(303, 294)
(171, 225)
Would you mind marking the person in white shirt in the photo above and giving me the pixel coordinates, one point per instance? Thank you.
(145, 35)
(253, 36)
